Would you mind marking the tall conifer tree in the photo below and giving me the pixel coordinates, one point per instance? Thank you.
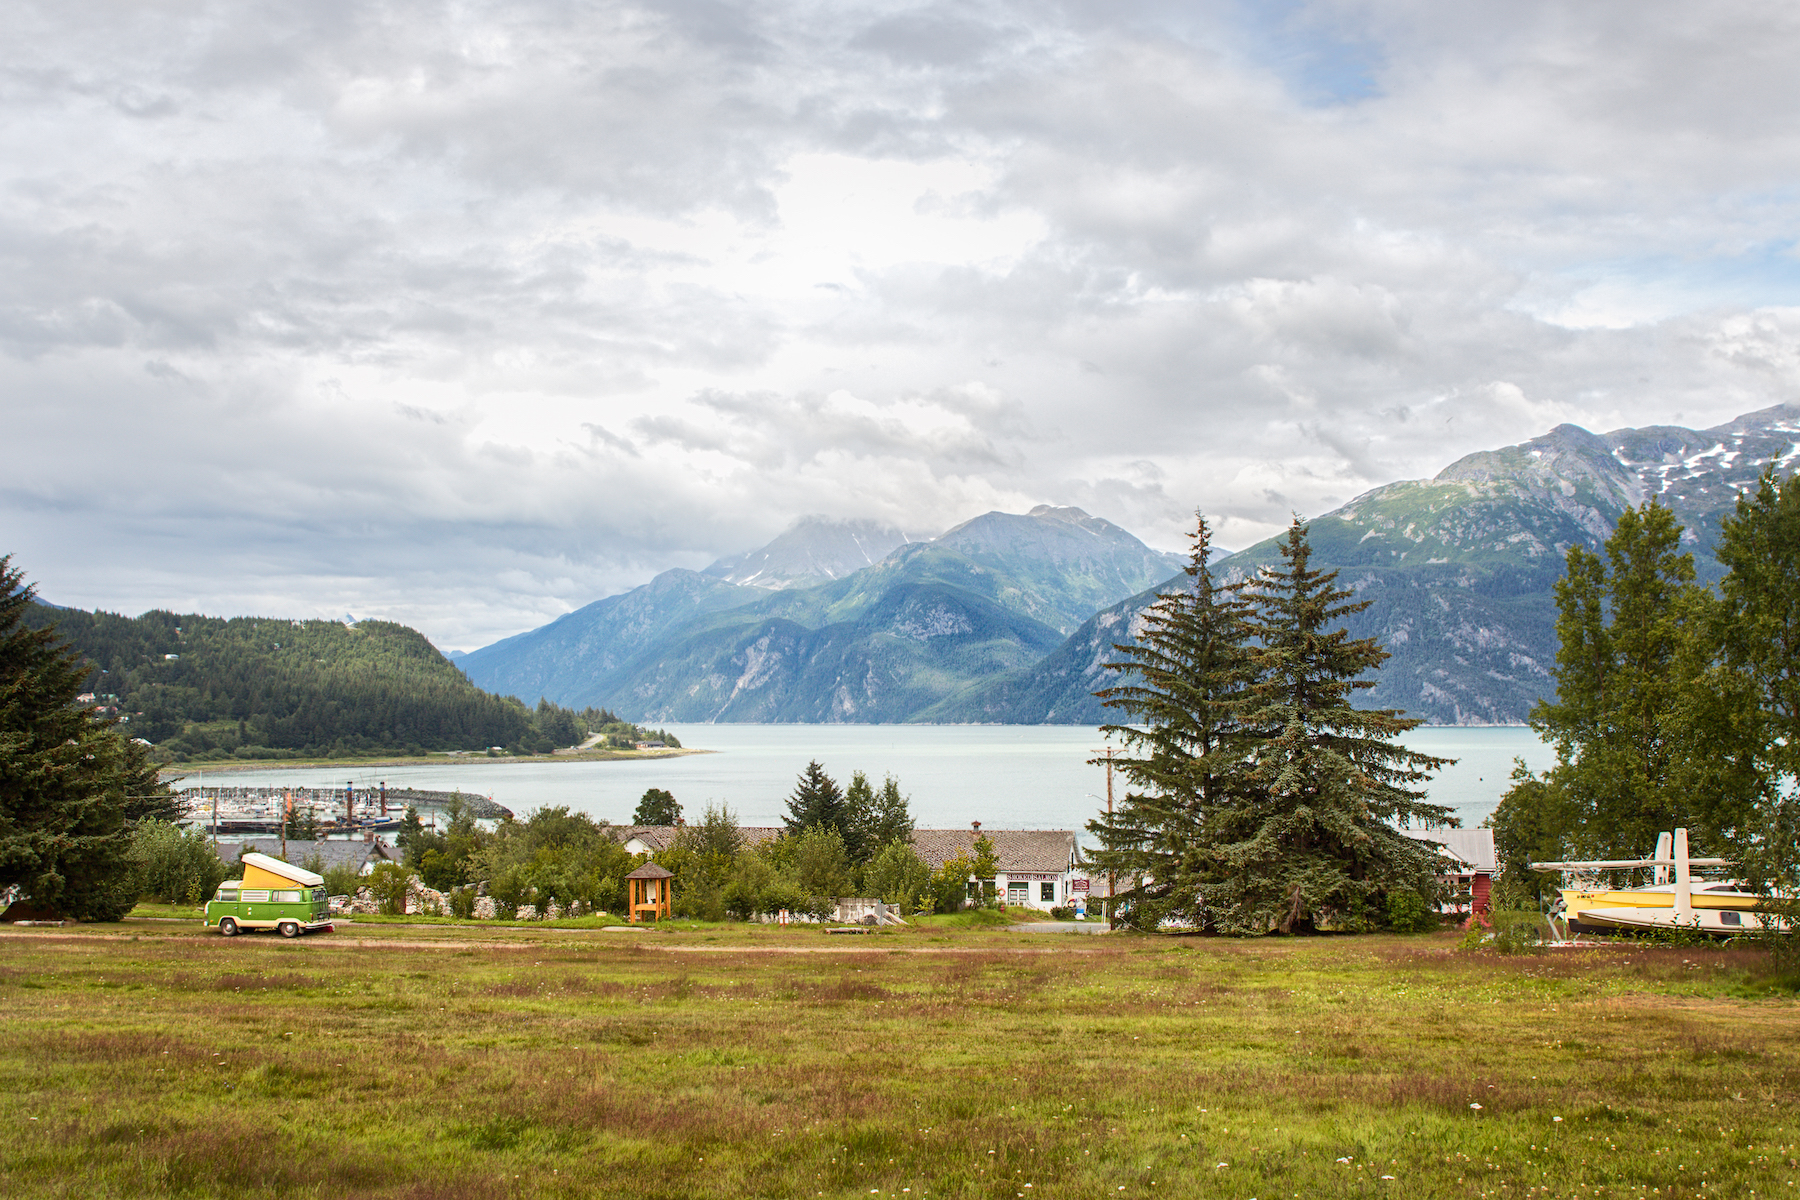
(71, 787)
(1314, 832)
(817, 800)
(1185, 748)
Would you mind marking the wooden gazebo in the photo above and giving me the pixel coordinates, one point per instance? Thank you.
(648, 890)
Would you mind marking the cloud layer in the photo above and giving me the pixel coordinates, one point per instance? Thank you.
(465, 314)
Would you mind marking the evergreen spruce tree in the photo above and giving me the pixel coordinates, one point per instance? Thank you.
(71, 787)
(859, 820)
(1313, 831)
(891, 820)
(817, 801)
(1187, 748)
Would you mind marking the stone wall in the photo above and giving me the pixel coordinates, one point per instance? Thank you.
(424, 901)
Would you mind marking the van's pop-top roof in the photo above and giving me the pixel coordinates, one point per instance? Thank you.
(285, 872)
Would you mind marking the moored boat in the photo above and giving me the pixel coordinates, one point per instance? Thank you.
(1674, 899)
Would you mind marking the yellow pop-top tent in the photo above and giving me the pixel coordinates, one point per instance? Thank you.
(261, 871)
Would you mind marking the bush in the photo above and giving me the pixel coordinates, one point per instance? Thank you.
(900, 877)
(1063, 913)
(341, 880)
(462, 903)
(1407, 912)
(1515, 931)
(387, 882)
(175, 867)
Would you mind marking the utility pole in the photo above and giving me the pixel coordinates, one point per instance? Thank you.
(1112, 879)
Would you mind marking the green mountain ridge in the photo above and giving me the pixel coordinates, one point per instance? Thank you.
(1460, 568)
(210, 688)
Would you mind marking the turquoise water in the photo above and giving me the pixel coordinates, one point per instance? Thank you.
(1005, 776)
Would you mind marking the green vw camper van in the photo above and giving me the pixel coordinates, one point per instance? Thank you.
(271, 895)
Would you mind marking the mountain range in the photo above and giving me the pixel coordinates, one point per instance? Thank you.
(882, 643)
(1012, 618)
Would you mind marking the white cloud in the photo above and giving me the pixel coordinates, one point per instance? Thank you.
(466, 314)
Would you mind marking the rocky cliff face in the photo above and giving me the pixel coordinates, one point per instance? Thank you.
(815, 550)
(578, 659)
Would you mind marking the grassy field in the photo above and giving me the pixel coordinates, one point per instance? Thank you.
(153, 1059)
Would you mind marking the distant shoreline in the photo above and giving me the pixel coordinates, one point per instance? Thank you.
(234, 766)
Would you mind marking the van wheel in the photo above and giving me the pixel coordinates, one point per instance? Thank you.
(290, 929)
(228, 927)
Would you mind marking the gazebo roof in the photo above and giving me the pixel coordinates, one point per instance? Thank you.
(651, 871)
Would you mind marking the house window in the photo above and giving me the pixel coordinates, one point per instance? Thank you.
(1047, 893)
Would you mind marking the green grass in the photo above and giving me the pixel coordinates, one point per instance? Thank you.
(418, 1061)
(150, 908)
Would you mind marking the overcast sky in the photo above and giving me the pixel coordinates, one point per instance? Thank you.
(468, 314)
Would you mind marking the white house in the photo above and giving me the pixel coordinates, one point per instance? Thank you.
(1034, 867)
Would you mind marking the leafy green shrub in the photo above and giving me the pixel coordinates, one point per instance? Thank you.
(1514, 931)
(173, 866)
(1407, 912)
(1063, 913)
(341, 880)
(388, 884)
(900, 877)
(462, 903)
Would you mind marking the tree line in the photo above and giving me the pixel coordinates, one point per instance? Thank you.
(1675, 706)
(836, 841)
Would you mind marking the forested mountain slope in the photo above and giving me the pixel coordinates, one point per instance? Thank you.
(258, 687)
(1061, 563)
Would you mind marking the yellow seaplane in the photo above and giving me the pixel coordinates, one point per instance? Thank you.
(1673, 899)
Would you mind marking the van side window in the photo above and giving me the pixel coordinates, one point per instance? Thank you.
(228, 893)
(287, 897)
(255, 894)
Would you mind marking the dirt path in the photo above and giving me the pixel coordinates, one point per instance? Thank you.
(568, 938)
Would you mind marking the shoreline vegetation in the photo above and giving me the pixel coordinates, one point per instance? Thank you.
(185, 770)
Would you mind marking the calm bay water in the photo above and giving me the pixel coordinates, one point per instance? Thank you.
(1005, 776)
